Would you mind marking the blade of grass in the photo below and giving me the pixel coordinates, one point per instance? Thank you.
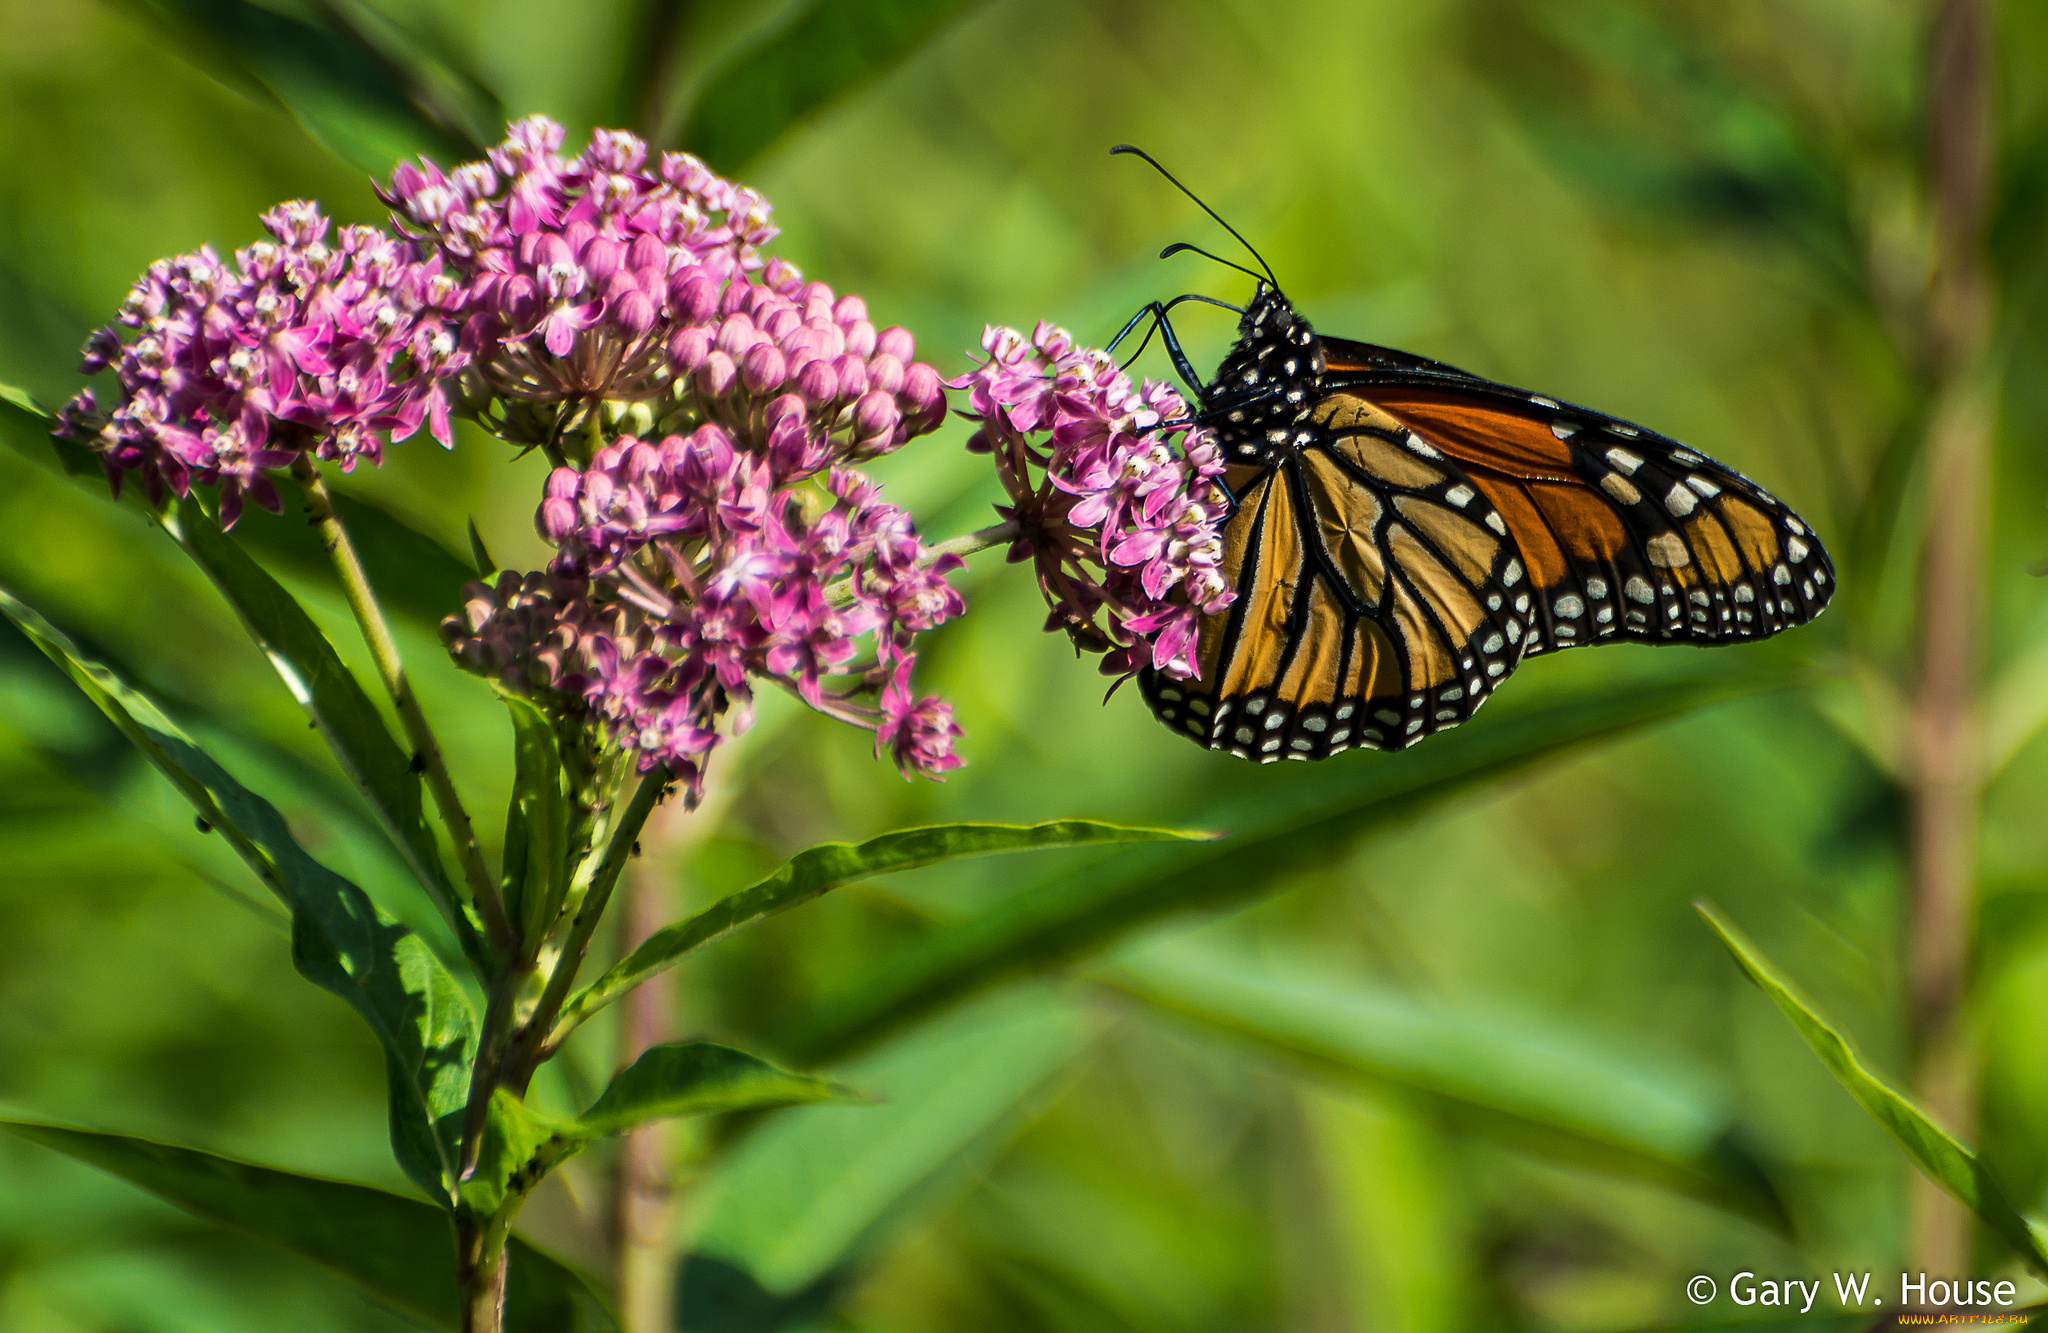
(1945, 1158)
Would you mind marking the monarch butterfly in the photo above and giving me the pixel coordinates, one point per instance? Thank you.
(1403, 533)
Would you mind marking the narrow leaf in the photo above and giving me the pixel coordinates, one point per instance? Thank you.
(485, 566)
(536, 823)
(814, 1188)
(1294, 820)
(412, 572)
(697, 1078)
(1531, 1085)
(400, 1251)
(831, 49)
(341, 941)
(26, 427)
(819, 870)
(330, 694)
(1940, 1154)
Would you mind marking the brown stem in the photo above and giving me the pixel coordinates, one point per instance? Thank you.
(1945, 776)
(362, 602)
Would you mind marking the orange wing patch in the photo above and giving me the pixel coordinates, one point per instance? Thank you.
(1473, 430)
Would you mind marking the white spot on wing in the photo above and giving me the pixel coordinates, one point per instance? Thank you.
(1620, 487)
(1680, 502)
(1460, 495)
(1667, 551)
(1624, 460)
(1638, 590)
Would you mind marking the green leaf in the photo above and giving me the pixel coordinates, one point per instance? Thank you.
(341, 941)
(412, 572)
(832, 48)
(536, 865)
(520, 1145)
(356, 100)
(399, 1250)
(331, 696)
(813, 1188)
(698, 1078)
(485, 566)
(1533, 1085)
(819, 870)
(1940, 1154)
(26, 427)
(1295, 819)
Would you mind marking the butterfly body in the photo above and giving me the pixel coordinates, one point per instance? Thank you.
(1404, 533)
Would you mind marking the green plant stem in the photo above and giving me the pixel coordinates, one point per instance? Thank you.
(480, 1272)
(533, 1046)
(362, 601)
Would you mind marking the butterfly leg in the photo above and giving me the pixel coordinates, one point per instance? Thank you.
(1164, 327)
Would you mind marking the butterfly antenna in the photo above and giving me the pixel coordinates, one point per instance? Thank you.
(1178, 246)
(1129, 148)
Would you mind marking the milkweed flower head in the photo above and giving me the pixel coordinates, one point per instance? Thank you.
(706, 408)
(231, 370)
(729, 538)
(1115, 492)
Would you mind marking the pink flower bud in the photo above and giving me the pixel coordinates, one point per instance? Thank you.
(647, 253)
(786, 407)
(694, 294)
(852, 373)
(897, 342)
(715, 376)
(763, 368)
(687, 350)
(860, 338)
(817, 382)
(633, 313)
(818, 296)
(885, 372)
(924, 398)
(739, 294)
(552, 250)
(850, 310)
(736, 335)
(875, 415)
(603, 257)
(518, 305)
(781, 276)
(830, 339)
(784, 321)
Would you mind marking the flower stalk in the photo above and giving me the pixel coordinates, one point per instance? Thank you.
(427, 752)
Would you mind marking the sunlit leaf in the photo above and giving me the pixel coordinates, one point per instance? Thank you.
(325, 688)
(1937, 1152)
(821, 869)
(341, 941)
(830, 49)
(1294, 821)
(400, 1251)
(1534, 1085)
(697, 1078)
(812, 1189)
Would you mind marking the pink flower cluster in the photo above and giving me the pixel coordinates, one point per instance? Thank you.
(561, 303)
(689, 567)
(236, 370)
(1115, 494)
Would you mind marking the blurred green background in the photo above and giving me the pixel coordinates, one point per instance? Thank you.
(1319, 1101)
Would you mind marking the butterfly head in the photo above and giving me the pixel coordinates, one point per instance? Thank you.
(1263, 391)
